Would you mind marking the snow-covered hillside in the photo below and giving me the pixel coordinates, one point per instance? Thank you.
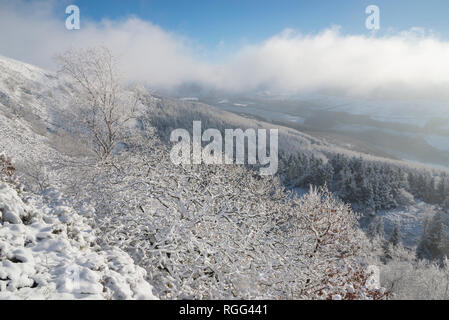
(132, 225)
(409, 220)
(47, 251)
(30, 98)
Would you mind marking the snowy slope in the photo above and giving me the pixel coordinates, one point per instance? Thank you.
(47, 252)
(410, 221)
(29, 100)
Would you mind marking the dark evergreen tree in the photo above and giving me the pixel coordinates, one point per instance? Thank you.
(395, 238)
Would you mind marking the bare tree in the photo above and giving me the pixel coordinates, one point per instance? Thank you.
(102, 104)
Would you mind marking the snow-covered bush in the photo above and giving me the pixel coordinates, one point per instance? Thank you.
(222, 231)
(404, 275)
(35, 175)
(7, 170)
(412, 279)
(48, 251)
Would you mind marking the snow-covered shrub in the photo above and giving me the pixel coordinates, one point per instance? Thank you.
(47, 251)
(7, 170)
(411, 279)
(404, 275)
(222, 231)
(35, 175)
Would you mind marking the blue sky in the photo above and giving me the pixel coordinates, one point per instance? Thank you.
(167, 43)
(244, 21)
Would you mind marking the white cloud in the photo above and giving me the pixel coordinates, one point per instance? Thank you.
(406, 64)
(29, 31)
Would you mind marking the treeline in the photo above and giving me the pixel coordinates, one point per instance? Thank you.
(369, 185)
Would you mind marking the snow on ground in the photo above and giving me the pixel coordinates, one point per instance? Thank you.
(410, 221)
(47, 251)
(29, 98)
(18, 139)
